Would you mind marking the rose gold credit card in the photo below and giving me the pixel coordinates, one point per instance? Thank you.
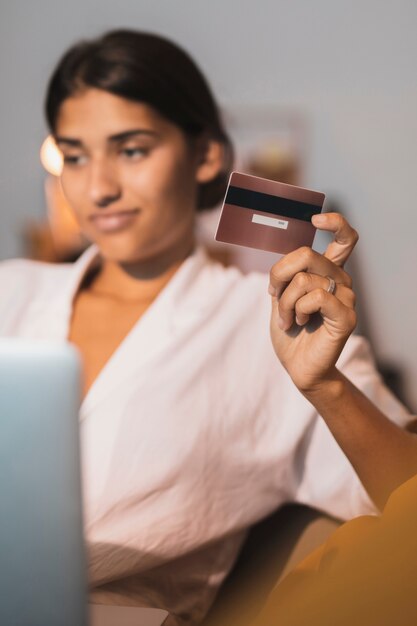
(268, 215)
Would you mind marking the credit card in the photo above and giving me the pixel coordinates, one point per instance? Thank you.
(267, 215)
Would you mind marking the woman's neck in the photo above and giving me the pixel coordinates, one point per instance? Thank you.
(134, 282)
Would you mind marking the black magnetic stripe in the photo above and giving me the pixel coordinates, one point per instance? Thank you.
(276, 205)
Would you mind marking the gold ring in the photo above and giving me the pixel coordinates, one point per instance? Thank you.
(332, 285)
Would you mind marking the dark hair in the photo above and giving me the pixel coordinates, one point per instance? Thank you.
(146, 68)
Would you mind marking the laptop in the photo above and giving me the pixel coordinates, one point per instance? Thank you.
(42, 559)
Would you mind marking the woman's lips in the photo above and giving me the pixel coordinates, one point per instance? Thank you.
(115, 221)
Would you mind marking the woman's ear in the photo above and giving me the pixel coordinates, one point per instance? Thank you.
(211, 161)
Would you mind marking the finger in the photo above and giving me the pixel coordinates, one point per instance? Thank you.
(345, 238)
(302, 284)
(303, 260)
(341, 317)
(345, 296)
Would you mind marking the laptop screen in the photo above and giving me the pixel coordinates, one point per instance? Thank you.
(42, 574)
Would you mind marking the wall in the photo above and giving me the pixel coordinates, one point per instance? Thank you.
(348, 66)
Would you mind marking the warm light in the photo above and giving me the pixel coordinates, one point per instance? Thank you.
(51, 156)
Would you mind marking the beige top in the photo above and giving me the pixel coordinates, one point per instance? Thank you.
(191, 431)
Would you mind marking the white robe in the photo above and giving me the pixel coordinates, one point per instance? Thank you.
(191, 432)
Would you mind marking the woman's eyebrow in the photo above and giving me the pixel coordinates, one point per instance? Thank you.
(76, 143)
(127, 134)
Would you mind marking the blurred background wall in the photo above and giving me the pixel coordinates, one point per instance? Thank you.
(348, 68)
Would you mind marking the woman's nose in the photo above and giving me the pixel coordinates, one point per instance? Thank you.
(104, 187)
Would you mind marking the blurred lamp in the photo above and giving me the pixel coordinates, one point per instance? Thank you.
(62, 238)
(51, 157)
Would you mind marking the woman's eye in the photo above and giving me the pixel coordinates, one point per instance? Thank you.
(132, 153)
(74, 159)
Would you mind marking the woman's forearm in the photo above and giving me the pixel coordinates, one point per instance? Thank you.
(382, 454)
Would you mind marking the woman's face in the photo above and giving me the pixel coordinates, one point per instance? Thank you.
(130, 175)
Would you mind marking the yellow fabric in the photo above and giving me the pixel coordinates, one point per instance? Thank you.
(364, 575)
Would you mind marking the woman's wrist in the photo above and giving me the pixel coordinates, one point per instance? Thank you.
(329, 389)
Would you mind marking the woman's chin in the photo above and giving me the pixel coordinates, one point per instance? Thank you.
(123, 250)
(134, 255)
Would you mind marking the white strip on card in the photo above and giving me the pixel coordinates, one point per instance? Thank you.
(269, 221)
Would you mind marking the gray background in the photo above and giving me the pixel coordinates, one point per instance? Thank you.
(350, 67)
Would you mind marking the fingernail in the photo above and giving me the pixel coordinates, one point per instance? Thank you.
(319, 218)
(298, 321)
(272, 291)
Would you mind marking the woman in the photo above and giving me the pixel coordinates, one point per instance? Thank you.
(191, 427)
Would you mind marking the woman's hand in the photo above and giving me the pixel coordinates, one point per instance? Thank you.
(309, 327)
(309, 323)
